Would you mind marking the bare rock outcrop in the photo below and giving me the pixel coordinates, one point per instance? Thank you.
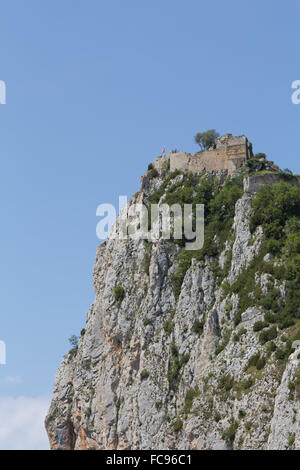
(161, 369)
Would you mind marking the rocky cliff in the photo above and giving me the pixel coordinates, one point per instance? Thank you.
(191, 349)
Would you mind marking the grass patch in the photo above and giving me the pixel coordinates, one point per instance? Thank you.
(190, 396)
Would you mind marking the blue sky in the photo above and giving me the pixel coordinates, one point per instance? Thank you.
(95, 89)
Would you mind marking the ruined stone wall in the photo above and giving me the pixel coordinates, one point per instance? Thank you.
(223, 158)
(253, 183)
(229, 153)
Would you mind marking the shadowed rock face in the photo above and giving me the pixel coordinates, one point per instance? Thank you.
(149, 372)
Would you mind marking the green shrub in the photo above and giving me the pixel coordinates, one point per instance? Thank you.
(185, 259)
(184, 359)
(286, 322)
(146, 262)
(153, 173)
(255, 164)
(118, 403)
(144, 374)
(245, 384)
(219, 214)
(277, 209)
(119, 294)
(156, 195)
(271, 318)
(229, 433)
(239, 334)
(176, 362)
(228, 308)
(168, 326)
(190, 396)
(248, 425)
(273, 246)
(291, 440)
(270, 301)
(197, 327)
(228, 261)
(226, 288)
(294, 386)
(271, 347)
(268, 335)
(222, 206)
(261, 363)
(226, 382)
(260, 325)
(282, 354)
(292, 305)
(177, 425)
(237, 318)
(273, 206)
(253, 360)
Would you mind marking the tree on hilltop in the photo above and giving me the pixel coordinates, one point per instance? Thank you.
(206, 139)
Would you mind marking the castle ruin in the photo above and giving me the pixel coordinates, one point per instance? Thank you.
(228, 153)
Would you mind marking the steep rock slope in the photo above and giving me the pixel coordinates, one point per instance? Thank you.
(193, 352)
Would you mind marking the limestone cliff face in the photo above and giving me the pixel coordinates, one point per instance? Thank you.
(163, 371)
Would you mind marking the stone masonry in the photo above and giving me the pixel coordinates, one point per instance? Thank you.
(228, 153)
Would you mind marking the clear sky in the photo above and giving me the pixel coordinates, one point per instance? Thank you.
(95, 89)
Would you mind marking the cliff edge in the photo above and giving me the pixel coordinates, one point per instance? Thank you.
(192, 349)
